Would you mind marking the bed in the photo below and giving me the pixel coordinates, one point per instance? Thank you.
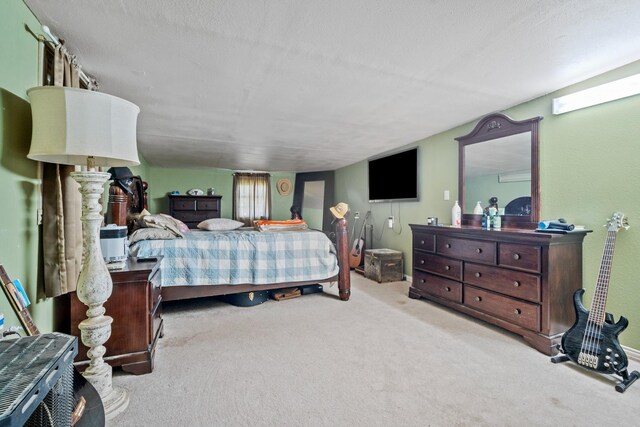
(215, 263)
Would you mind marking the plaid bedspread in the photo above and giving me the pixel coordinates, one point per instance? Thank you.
(241, 257)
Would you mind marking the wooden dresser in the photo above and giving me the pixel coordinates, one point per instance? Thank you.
(135, 306)
(193, 209)
(522, 281)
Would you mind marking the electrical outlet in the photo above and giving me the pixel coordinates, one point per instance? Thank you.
(446, 195)
(356, 215)
(390, 222)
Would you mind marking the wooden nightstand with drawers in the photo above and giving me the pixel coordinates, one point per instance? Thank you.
(135, 305)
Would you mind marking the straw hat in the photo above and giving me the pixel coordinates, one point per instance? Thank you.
(339, 210)
(283, 186)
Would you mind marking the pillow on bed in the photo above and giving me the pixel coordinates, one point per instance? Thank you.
(220, 224)
(151, 234)
(159, 221)
(181, 225)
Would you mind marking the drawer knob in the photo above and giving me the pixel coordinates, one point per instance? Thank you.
(478, 274)
(516, 283)
(422, 242)
(447, 267)
(448, 245)
(478, 299)
(516, 256)
(421, 280)
(517, 311)
(421, 261)
(478, 251)
(447, 288)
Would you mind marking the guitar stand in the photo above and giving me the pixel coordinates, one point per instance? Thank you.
(621, 387)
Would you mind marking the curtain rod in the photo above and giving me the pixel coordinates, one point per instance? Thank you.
(55, 41)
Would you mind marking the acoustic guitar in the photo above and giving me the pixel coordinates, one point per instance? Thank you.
(592, 342)
(355, 256)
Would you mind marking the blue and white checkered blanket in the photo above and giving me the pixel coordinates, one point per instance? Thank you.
(241, 257)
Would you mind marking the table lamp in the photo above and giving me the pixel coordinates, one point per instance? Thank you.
(80, 127)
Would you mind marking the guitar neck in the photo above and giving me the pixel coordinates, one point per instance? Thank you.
(598, 310)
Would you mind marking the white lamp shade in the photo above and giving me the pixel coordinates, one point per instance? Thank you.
(70, 125)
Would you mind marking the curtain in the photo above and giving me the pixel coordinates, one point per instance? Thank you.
(61, 205)
(251, 197)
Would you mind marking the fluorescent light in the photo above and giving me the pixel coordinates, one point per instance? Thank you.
(618, 89)
(514, 176)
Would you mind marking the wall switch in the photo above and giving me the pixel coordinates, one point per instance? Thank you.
(356, 215)
(446, 195)
(390, 222)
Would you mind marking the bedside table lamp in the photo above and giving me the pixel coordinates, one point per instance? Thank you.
(80, 127)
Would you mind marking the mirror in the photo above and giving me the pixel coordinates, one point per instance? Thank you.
(313, 194)
(313, 203)
(499, 158)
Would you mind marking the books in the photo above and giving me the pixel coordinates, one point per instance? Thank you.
(21, 294)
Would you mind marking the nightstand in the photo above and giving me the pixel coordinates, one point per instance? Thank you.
(135, 306)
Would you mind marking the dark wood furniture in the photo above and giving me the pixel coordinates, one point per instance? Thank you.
(135, 306)
(500, 130)
(522, 281)
(194, 209)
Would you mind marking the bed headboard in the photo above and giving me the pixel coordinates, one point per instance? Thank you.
(127, 198)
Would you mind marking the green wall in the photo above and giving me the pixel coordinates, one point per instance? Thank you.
(589, 163)
(164, 180)
(18, 175)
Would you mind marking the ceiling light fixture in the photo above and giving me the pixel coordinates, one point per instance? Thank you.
(612, 91)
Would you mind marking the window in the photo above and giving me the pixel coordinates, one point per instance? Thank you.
(251, 197)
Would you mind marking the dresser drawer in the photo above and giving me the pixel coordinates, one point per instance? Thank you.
(208, 205)
(448, 267)
(195, 216)
(183, 205)
(472, 250)
(424, 242)
(518, 312)
(514, 283)
(523, 257)
(438, 286)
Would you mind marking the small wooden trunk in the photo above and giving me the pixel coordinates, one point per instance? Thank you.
(383, 265)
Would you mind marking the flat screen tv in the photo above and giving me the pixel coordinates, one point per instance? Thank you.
(394, 177)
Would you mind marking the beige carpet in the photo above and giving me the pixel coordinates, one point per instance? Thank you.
(380, 359)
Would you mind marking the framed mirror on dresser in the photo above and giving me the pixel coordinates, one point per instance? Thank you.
(514, 277)
(499, 158)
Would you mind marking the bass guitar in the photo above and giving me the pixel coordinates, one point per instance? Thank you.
(592, 342)
(355, 256)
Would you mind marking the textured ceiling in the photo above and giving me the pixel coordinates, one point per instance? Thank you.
(305, 85)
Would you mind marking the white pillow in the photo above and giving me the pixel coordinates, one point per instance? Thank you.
(220, 224)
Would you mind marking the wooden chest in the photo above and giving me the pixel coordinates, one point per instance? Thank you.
(383, 265)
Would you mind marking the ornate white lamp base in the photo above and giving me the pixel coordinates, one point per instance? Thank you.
(93, 289)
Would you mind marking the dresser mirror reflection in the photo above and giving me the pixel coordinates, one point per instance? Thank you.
(499, 158)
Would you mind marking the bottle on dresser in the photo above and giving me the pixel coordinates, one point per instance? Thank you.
(456, 215)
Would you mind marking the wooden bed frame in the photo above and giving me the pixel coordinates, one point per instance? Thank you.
(120, 209)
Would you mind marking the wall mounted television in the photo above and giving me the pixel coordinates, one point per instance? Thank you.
(394, 177)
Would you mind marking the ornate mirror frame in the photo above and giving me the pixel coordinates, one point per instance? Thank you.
(494, 126)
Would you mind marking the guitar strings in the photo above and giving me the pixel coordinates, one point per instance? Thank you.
(595, 320)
